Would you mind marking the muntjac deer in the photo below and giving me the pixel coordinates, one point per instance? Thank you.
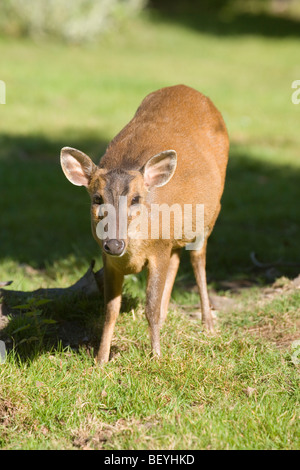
(174, 153)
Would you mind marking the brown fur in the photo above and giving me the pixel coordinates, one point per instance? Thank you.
(178, 118)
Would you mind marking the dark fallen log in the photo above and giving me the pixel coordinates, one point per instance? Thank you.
(89, 284)
(6, 283)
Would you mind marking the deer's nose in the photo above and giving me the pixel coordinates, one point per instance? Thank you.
(114, 247)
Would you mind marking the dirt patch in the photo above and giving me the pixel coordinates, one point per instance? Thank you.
(279, 329)
(7, 412)
(278, 333)
(98, 435)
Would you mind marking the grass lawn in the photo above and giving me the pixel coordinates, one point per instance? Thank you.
(238, 389)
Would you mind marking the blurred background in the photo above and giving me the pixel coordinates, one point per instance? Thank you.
(74, 74)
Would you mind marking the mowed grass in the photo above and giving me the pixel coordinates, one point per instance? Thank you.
(238, 389)
(231, 391)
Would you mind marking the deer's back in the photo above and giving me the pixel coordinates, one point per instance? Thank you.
(185, 120)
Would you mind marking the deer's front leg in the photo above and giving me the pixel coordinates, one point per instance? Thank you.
(113, 282)
(157, 273)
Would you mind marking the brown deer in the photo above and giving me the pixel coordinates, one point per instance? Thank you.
(174, 151)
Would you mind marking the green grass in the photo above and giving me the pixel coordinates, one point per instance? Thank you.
(235, 390)
(194, 397)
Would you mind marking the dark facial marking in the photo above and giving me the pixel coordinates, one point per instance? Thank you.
(117, 183)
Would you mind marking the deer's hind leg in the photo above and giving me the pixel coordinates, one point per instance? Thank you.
(198, 260)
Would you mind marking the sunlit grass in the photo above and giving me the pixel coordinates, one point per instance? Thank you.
(235, 390)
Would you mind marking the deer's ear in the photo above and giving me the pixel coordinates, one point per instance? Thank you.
(159, 169)
(77, 166)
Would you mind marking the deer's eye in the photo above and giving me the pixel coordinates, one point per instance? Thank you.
(135, 200)
(97, 199)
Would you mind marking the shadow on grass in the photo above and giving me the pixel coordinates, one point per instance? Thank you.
(40, 325)
(44, 220)
(224, 18)
(260, 214)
